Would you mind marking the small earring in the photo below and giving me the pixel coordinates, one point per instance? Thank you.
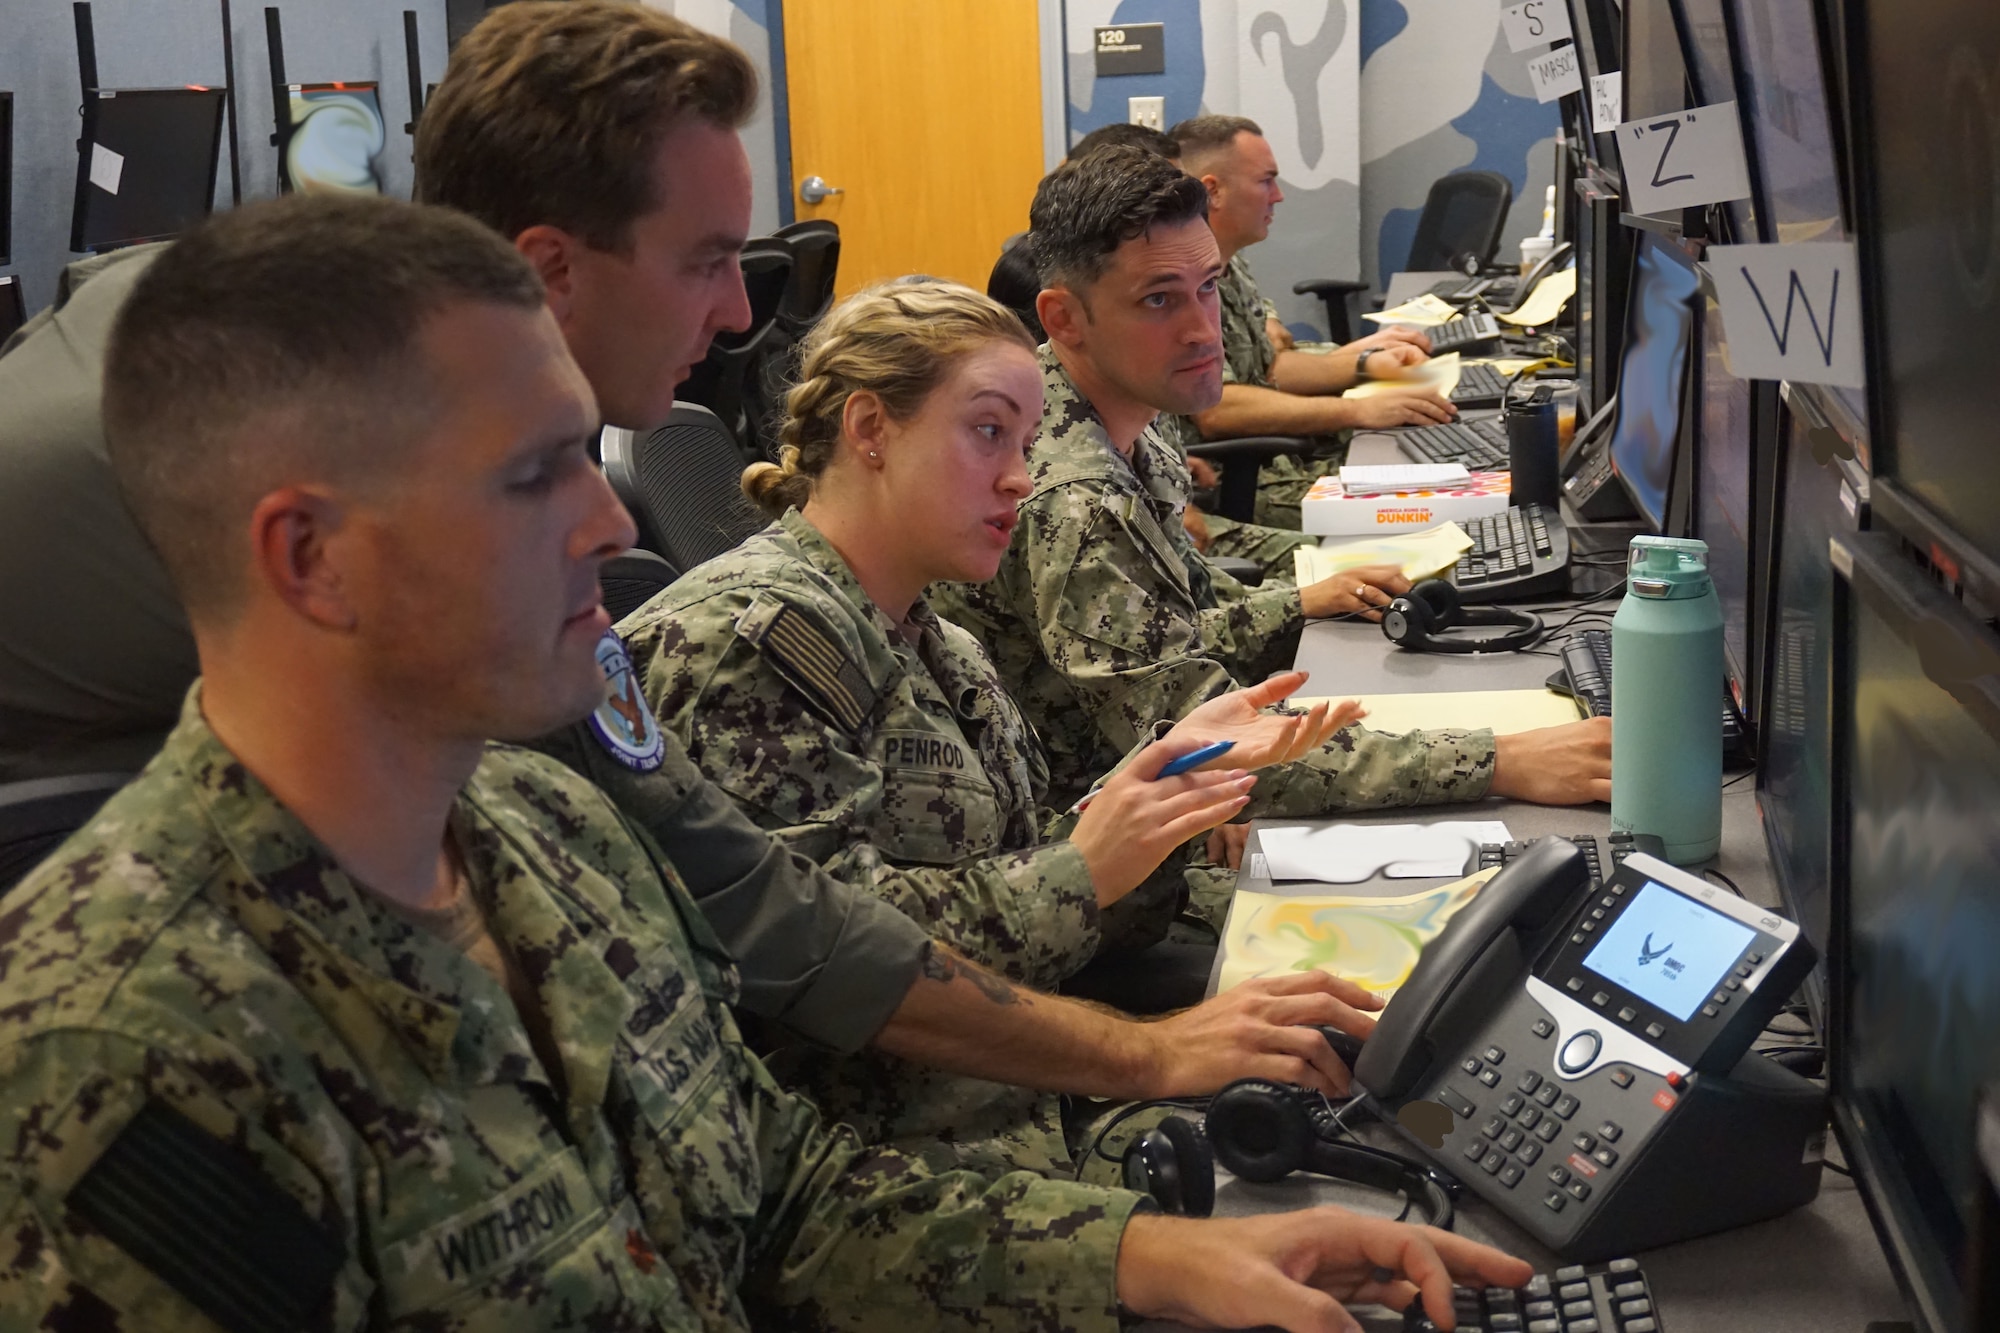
(875, 455)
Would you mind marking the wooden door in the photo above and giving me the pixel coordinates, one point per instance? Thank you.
(927, 115)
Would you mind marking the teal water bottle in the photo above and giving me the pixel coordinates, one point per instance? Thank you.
(1666, 700)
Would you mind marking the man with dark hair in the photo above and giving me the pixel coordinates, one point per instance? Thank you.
(341, 1017)
(1127, 135)
(1103, 618)
(1268, 387)
(836, 964)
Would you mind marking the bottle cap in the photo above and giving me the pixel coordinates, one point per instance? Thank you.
(1668, 568)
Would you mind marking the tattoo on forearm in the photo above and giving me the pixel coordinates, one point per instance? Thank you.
(943, 968)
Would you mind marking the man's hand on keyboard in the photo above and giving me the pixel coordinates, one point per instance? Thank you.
(1391, 337)
(1566, 765)
(1362, 591)
(1414, 407)
(1392, 361)
(1295, 1269)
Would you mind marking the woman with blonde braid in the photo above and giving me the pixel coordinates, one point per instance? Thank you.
(808, 678)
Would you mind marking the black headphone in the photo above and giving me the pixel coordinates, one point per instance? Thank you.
(1418, 619)
(1263, 1132)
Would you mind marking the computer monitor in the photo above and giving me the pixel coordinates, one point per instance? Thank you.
(1655, 81)
(1788, 136)
(1925, 147)
(1815, 499)
(1595, 28)
(1652, 376)
(146, 164)
(1723, 483)
(1704, 34)
(333, 135)
(6, 178)
(1915, 966)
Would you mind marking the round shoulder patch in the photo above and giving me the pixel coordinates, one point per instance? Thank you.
(624, 724)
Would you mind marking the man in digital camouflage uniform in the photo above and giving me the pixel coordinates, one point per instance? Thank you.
(1103, 617)
(1269, 390)
(340, 1017)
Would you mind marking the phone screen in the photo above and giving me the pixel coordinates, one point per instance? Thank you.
(1668, 949)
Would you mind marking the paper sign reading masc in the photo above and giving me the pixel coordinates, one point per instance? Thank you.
(1555, 73)
(1792, 312)
(1536, 23)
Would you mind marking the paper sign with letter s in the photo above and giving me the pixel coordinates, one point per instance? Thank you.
(1535, 23)
(1683, 159)
(1792, 312)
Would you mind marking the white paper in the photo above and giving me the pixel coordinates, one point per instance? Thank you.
(1792, 312)
(1536, 23)
(1607, 102)
(1555, 74)
(1351, 853)
(1684, 159)
(107, 168)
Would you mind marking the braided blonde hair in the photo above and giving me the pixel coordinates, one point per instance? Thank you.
(897, 340)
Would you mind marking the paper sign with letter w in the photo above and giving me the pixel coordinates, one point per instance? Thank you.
(1792, 312)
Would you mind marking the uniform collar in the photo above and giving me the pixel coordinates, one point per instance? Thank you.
(1074, 445)
(879, 661)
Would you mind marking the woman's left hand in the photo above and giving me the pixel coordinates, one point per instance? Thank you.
(1264, 738)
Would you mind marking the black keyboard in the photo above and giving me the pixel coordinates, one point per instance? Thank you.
(1586, 669)
(1518, 552)
(1479, 386)
(1592, 1298)
(1500, 287)
(1622, 845)
(1456, 335)
(1480, 445)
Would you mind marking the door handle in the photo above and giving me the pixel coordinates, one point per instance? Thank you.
(814, 189)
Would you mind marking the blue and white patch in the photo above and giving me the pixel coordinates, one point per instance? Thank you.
(624, 723)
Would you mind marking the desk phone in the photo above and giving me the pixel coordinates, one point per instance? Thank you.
(1592, 1042)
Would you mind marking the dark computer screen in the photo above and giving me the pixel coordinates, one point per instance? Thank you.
(1722, 486)
(1595, 26)
(146, 164)
(6, 178)
(1704, 37)
(1655, 73)
(1918, 931)
(336, 132)
(13, 306)
(1652, 378)
(1794, 777)
(1926, 149)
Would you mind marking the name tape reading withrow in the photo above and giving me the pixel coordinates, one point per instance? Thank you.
(1792, 312)
(1683, 159)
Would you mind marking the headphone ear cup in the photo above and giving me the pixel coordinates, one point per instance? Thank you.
(1258, 1130)
(1406, 622)
(1151, 1167)
(1196, 1162)
(1440, 598)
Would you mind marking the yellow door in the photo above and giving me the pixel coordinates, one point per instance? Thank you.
(926, 115)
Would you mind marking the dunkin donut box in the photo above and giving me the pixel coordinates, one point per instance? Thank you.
(1329, 511)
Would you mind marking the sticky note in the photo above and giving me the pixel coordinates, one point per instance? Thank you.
(107, 168)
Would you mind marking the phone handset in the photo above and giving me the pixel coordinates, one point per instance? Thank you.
(1479, 951)
(1544, 266)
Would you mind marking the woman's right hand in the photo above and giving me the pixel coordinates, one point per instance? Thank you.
(1137, 817)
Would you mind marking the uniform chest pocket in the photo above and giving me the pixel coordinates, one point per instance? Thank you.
(938, 808)
(1132, 514)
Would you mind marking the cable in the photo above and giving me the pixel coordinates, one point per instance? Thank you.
(1725, 881)
(1739, 778)
(1837, 1169)
(1096, 1148)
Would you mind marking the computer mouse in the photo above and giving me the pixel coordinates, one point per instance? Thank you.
(1345, 1045)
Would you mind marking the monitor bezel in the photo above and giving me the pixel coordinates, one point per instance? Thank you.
(1836, 128)
(287, 127)
(88, 139)
(1674, 503)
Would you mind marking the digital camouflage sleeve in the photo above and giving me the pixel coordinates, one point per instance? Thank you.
(382, 1148)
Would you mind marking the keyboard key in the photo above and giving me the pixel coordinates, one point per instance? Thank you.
(1582, 1326)
(1528, 1152)
(1574, 983)
(1569, 1273)
(1548, 1325)
(1626, 1291)
(1622, 1266)
(1541, 1309)
(1539, 1288)
(1642, 1326)
(1566, 1106)
(1610, 1131)
(1601, 998)
(1578, 1309)
(1709, 1011)
(1529, 1081)
(1621, 1078)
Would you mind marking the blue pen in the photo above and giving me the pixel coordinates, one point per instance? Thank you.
(1196, 758)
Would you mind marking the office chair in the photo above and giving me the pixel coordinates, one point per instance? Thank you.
(37, 815)
(720, 383)
(1240, 460)
(681, 482)
(1459, 229)
(815, 246)
(629, 581)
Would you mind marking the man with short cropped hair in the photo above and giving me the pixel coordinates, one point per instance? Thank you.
(1270, 389)
(341, 1017)
(1103, 618)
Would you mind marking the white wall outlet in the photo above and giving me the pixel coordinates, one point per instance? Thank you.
(1148, 111)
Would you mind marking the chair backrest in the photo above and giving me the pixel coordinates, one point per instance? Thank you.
(629, 581)
(717, 383)
(681, 482)
(815, 247)
(1463, 215)
(35, 817)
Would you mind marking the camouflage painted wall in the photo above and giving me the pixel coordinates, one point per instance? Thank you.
(748, 24)
(1366, 102)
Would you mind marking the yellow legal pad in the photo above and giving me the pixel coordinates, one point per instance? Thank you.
(1373, 942)
(1501, 711)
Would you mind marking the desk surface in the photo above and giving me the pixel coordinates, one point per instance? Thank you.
(1819, 1268)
